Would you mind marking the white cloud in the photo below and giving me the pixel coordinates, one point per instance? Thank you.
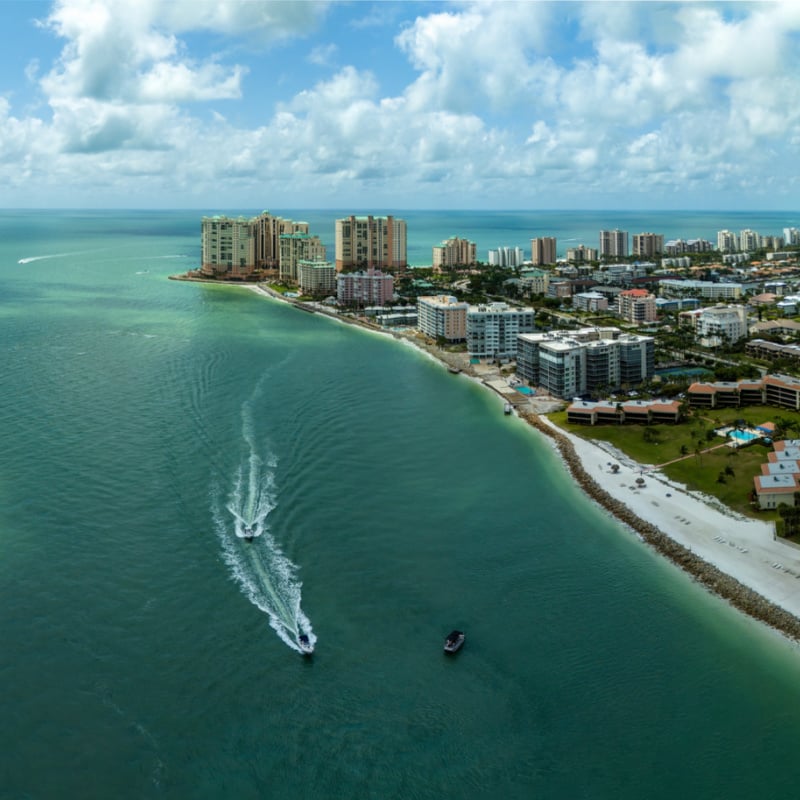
(503, 105)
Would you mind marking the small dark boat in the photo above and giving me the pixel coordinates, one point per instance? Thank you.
(306, 648)
(249, 533)
(453, 642)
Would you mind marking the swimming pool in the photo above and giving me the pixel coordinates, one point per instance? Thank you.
(743, 436)
(526, 390)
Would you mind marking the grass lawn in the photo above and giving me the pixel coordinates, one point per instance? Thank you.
(699, 471)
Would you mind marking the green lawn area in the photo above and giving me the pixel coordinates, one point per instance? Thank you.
(699, 471)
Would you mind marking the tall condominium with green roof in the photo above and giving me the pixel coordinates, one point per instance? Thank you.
(371, 243)
(241, 247)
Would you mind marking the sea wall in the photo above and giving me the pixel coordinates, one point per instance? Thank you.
(736, 593)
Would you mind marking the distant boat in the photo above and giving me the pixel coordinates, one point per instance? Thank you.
(454, 641)
(508, 408)
(306, 648)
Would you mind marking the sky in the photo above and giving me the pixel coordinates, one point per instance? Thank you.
(399, 105)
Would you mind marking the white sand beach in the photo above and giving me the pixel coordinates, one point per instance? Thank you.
(740, 547)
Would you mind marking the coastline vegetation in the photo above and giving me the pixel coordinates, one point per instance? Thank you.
(691, 453)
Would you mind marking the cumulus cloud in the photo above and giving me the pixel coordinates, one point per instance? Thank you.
(512, 99)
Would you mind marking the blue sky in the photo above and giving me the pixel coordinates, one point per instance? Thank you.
(391, 105)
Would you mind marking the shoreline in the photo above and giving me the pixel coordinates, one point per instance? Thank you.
(734, 557)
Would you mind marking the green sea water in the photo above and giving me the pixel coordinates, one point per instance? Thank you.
(148, 651)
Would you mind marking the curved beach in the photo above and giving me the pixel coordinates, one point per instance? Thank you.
(737, 558)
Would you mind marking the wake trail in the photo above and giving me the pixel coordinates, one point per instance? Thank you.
(266, 576)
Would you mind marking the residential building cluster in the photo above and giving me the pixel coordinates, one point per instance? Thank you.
(241, 247)
(574, 363)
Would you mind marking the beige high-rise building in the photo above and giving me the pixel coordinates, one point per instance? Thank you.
(228, 246)
(614, 244)
(371, 243)
(637, 305)
(648, 245)
(268, 229)
(454, 252)
(296, 247)
(240, 247)
(543, 251)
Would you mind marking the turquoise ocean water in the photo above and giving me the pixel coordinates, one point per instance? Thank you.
(147, 651)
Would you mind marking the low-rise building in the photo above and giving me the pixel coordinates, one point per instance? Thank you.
(590, 301)
(775, 490)
(705, 289)
(605, 412)
(535, 281)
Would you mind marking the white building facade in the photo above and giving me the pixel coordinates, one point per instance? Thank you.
(567, 366)
(492, 329)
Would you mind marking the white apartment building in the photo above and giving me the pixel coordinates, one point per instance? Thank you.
(590, 301)
(454, 252)
(506, 257)
(721, 325)
(675, 247)
(371, 242)
(543, 251)
(704, 289)
(727, 241)
(749, 240)
(620, 273)
(791, 235)
(442, 316)
(567, 367)
(316, 278)
(613, 244)
(493, 328)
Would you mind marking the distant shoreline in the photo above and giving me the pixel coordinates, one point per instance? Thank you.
(736, 559)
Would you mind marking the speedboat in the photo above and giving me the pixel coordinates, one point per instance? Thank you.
(453, 642)
(306, 648)
(249, 533)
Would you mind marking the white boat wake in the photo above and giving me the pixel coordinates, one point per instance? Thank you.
(266, 576)
(31, 259)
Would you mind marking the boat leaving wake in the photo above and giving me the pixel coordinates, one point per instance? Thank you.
(267, 577)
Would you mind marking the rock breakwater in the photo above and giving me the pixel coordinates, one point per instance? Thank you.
(724, 586)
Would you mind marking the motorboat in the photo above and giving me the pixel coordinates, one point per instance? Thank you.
(508, 408)
(454, 641)
(305, 645)
(248, 535)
